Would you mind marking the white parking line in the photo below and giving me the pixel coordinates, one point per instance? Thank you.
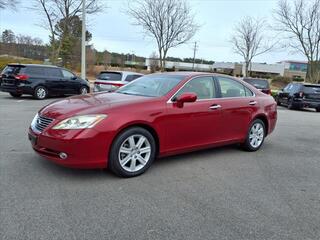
(20, 101)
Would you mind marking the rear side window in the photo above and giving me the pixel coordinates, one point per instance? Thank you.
(130, 78)
(258, 83)
(53, 72)
(232, 88)
(12, 69)
(311, 89)
(110, 76)
(35, 71)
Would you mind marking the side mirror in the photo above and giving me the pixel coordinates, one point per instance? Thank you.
(74, 78)
(185, 97)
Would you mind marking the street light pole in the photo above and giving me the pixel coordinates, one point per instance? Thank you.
(83, 41)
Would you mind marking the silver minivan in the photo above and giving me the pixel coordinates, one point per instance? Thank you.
(111, 80)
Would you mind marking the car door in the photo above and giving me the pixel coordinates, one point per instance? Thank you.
(53, 77)
(197, 123)
(71, 82)
(238, 104)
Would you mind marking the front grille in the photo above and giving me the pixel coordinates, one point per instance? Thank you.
(42, 122)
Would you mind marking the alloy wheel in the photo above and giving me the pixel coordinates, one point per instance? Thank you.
(83, 91)
(41, 93)
(134, 153)
(256, 135)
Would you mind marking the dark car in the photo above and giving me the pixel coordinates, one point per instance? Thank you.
(261, 84)
(40, 81)
(300, 95)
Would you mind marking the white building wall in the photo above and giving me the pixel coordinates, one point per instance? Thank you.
(277, 68)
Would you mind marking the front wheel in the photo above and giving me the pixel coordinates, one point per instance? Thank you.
(83, 90)
(318, 109)
(132, 152)
(40, 92)
(255, 136)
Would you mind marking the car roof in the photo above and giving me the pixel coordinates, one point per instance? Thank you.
(195, 74)
(33, 65)
(305, 84)
(123, 72)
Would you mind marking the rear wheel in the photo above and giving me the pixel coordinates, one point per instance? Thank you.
(16, 95)
(318, 109)
(40, 92)
(132, 152)
(255, 136)
(290, 104)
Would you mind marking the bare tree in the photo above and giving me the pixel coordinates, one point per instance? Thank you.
(300, 20)
(249, 41)
(8, 4)
(54, 11)
(169, 22)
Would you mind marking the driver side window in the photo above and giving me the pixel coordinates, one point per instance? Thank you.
(202, 86)
(67, 74)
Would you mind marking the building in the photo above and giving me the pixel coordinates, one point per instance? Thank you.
(290, 69)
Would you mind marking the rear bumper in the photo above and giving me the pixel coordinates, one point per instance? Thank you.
(16, 89)
(306, 103)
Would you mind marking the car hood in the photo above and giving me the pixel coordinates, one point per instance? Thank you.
(89, 104)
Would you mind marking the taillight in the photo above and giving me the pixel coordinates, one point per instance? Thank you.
(269, 91)
(22, 77)
(301, 94)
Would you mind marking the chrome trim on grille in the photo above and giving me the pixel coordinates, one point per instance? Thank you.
(41, 123)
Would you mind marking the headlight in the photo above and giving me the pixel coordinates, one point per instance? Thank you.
(80, 122)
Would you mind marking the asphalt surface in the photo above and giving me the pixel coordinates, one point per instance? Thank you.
(222, 193)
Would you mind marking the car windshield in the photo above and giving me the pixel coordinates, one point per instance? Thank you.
(312, 89)
(258, 83)
(111, 76)
(154, 85)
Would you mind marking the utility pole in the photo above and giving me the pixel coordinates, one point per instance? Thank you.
(194, 54)
(83, 41)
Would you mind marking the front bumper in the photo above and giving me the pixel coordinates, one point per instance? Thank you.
(85, 148)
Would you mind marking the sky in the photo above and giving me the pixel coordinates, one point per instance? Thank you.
(112, 29)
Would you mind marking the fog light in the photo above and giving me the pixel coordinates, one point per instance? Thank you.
(63, 155)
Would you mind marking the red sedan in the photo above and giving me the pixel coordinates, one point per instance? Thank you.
(154, 116)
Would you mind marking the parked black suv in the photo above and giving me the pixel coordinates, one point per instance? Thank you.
(40, 81)
(300, 95)
(259, 83)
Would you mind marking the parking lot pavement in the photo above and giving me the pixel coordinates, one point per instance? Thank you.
(222, 193)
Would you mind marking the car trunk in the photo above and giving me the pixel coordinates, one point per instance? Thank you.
(311, 92)
(9, 75)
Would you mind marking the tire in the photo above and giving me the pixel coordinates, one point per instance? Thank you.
(16, 95)
(40, 93)
(278, 102)
(83, 90)
(126, 159)
(318, 109)
(290, 104)
(250, 144)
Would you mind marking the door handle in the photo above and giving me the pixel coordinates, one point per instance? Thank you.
(215, 106)
(252, 103)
